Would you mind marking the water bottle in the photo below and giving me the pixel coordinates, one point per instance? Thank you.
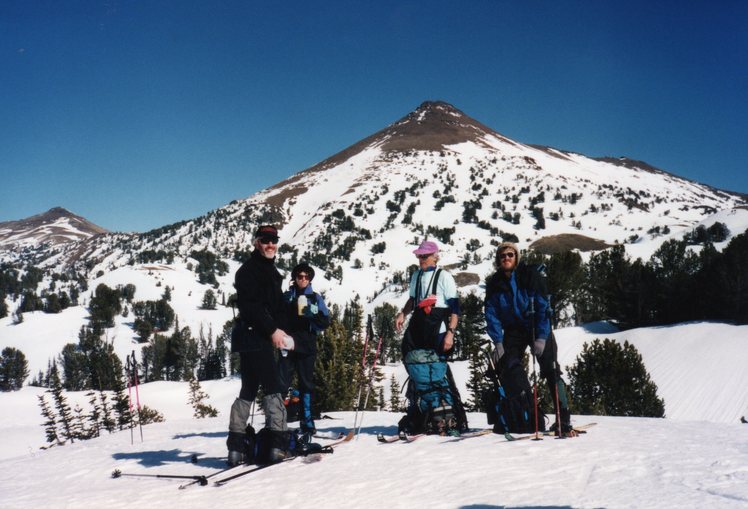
(302, 302)
(288, 344)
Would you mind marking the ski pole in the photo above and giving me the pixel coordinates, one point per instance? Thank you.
(556, 375)
(137, 395)
(200, 479)
(129, 395)
(534, 374)
(363, 372)
(368, 385)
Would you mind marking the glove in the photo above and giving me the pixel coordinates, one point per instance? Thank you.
(538, 347)
(497, 354)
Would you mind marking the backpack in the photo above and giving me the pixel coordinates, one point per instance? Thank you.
(295, 443)
(509, 402)
(533, 276)
(434, 401)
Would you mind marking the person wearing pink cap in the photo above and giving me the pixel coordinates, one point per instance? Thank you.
(434, 404)
(433, 296)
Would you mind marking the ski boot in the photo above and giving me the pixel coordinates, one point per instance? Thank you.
(237, 446)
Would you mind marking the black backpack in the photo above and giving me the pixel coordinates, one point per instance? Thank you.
(509, 402)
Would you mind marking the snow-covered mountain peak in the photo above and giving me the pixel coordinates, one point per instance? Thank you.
(53, 227)
(435, 173)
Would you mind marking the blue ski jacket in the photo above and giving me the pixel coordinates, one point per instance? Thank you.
(507, 307)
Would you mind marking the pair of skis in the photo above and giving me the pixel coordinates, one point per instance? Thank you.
(402, 437)
(236, 472)
(327, 449)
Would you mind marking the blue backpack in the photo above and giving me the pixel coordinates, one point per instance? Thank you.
(434, 403)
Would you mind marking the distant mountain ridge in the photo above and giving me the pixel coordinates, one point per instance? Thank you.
(435, 173)
(53, 227)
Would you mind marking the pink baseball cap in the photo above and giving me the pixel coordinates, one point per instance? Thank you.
(426, 247)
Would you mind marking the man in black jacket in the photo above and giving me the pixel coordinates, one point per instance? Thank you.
(261, 309)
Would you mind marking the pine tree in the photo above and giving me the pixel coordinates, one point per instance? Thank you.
(78, 424)
(610, 379)
(196, 399)
(94, 418)
(478, 383)
(209, 300)
(396, 402)
(14, 369)
(64, 414)
(335, 368)
(107, 421)
(50, 422)
(471, 327)
(384, 326)
(121, 406)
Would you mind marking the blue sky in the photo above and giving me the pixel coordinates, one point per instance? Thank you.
(137, 114)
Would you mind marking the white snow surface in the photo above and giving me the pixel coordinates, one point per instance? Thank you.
(620, 462)
(696, 457)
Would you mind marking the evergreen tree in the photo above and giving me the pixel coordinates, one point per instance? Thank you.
(674, 267)
(471, 328)
(121, 403)
(565, 279)
(335, 367)
(74, 367)
(107, 421)
(13, 369)
(50, 422)
(3, 305)
(353, 319)
(197, 399)
(209, 300)
(384, 327)
(94, 418)
(610, 379)
(396, 401)
(64, 414)
(78, 424)
(104, 306)
(477, 383)
(722, 284)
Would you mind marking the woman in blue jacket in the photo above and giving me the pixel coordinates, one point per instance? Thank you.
(306, 316)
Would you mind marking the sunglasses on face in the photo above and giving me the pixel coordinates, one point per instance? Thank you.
(509, 255)
(424, 256)
(302, 276)
(268, 240)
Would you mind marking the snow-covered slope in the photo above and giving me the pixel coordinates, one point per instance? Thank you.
(620, 462)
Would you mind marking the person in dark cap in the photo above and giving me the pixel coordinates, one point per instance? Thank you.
(262, 314)
(517, 316)
(434, 404)
(306, 316)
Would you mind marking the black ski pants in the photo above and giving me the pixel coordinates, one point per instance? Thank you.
(515, 344)
(303, 363)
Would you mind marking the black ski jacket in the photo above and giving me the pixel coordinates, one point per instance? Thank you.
(259, 295)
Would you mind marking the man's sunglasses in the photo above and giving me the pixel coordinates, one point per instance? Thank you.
(268, 240)
(509, 255)
(425, 256)
(302, 276)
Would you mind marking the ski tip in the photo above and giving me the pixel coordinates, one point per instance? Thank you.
(349, 436)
